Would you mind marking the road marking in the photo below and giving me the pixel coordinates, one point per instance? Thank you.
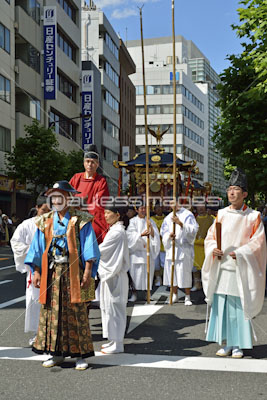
(150, 361)
(3, 282)
(141, 312)
(11, 302)
(10, 266)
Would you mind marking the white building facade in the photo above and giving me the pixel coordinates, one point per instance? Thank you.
(192, 100)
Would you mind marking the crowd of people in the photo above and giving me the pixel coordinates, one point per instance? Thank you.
(66, 251)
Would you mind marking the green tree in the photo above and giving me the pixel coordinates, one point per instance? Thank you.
(73, 163)
(36, 159)
(253, 29)
(241, 130)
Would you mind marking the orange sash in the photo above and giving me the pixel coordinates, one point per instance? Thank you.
(75, 291)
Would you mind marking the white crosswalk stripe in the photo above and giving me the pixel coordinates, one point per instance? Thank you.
(150, 361)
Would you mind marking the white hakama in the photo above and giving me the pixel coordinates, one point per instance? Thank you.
(184, 248)
(20, 244)
(138, 253)
(113, 267)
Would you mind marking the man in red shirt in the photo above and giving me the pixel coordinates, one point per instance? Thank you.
(93, 187)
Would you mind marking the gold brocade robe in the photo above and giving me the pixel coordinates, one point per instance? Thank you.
(204, 223)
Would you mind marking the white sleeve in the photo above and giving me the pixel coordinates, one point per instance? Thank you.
(135, 241)
(20, 248)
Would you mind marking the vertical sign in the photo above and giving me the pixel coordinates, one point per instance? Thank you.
(87, 108)
(125, 157)
(50, 47)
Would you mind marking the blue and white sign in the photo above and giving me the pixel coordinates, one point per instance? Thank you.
(177, 76)
(87, 108)
(50, 53)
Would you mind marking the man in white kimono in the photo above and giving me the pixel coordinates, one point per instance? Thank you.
(20, 244)
(233, 278)
(137, 233)
(185, 233)
(114, 283)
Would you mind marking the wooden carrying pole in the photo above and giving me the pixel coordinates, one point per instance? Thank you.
(174, 149)
(219, 236)
(147, 162)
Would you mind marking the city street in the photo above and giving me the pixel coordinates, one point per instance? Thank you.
(166, 355)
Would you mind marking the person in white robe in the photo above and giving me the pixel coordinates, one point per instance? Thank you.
(233, 277)
(114, 283)
(186, 229)
(20, 244)
(137, 233)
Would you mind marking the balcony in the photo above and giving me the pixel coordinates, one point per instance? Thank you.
(27, 28)
(21, 120)
(27, 79)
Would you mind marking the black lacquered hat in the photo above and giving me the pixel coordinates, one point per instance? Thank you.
(62, 185)
(239, 178)
(91, 152)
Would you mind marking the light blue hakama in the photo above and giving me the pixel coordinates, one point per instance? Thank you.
(227, 322)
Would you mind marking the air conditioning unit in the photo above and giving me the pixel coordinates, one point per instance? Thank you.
(16, 25)
(16, 69)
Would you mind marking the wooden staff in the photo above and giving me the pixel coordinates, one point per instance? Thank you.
(174, 149)
(147, 162)
(219, 236)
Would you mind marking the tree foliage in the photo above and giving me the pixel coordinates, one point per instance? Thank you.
(73, 163)
(253, 28)
(241, 130)
(37, 160)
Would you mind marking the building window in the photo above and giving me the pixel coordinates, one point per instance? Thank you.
(31, 7)
(111, 45)
(62, 125)
(111, 101)
(193, 154)
(35, 109)
(66, 46)
(111, 129)
(168, 109)
(29, 55)
(34, 10)
(5, 139)
(168, 89)
(109, 155)
(112, 74)
(68, 8)
(66, 87)
(4, 38)
(5, 89)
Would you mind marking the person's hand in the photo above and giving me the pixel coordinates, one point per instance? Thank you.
(217, 253)
(146, 232)
(177, 221)
(172, 235)
(36, 279)
(233, 255)
(86, 279)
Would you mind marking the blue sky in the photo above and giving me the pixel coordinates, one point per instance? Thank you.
(206, 22)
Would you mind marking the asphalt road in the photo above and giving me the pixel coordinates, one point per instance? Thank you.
(166, 356)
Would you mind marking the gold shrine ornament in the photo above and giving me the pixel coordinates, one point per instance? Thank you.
(156, 158)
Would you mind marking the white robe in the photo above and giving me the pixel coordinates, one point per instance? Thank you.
(138, 253)
(113, 267)
(184, 248)
(20, 244)
(243, 233)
